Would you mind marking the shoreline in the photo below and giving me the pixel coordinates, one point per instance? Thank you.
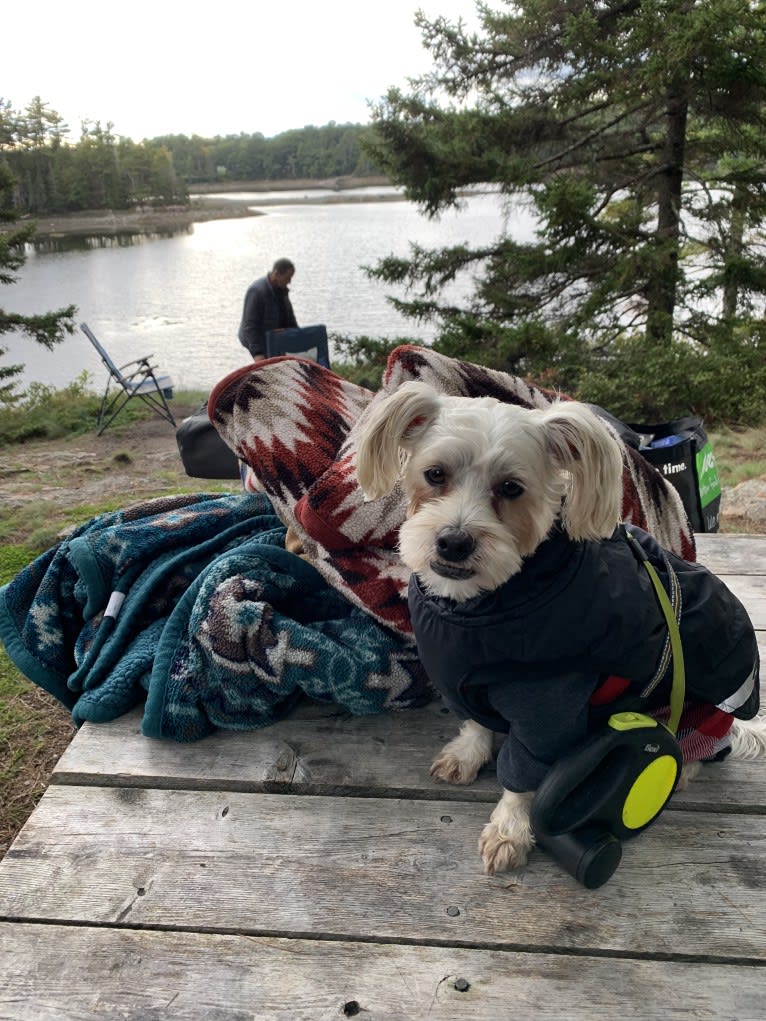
(333, 184)
(110, 222)
(202, 209)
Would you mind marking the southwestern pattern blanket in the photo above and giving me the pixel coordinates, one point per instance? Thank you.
(193, 604)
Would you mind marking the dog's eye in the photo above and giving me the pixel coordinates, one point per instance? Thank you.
(510, 489)
(435, 476)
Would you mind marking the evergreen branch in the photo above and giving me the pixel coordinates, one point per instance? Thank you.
(586, 139)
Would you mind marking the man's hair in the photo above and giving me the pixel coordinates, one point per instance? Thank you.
(283, 266)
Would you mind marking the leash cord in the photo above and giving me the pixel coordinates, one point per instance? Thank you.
(671, 610)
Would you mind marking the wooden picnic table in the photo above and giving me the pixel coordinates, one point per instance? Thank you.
(312, 870)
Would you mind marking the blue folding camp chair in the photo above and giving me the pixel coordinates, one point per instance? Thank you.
(305, 341)
(135, 379)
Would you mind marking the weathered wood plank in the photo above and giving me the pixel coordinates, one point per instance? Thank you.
(320, 749)
(372, 869)
(212, 857)
(48, 973)
(732, 554)
(740, 560)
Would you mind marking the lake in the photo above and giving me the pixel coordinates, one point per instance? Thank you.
(179, 298)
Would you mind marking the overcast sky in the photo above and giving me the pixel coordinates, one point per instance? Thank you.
(161, 67)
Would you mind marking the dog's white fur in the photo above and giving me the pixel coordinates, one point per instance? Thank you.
(482, 445)
(495, 477)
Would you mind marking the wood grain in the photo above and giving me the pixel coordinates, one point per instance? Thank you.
(368, 868)
(52, 973)
(323, 750)
(732, 554)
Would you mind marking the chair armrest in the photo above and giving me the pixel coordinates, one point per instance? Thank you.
(136, 361)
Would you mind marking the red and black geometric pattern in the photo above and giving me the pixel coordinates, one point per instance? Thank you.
(294, 424)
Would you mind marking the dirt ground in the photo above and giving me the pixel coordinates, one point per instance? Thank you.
(128, 462)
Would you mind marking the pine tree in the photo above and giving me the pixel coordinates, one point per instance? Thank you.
(637, 132)
(47, 328)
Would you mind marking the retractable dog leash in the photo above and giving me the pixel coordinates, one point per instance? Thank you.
(617, 782)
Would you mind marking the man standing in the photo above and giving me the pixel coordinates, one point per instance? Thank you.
(267, 307)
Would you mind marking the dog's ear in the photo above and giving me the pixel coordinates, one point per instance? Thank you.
(389, 427)
(580, 444)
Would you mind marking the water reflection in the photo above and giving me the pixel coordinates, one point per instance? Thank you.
(53, 245)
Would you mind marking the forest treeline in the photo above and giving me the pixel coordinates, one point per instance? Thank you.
(103, 170)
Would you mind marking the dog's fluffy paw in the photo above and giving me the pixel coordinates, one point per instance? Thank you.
(688, 772)
(507, 839)
(460, 760)
(452, 769)
(499, 852)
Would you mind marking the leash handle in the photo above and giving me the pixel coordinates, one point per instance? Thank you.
(671, 611)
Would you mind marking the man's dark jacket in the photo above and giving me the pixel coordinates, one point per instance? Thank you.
(266, 308)
(525, 659)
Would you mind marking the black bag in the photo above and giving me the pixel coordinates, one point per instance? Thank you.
(203, 452)
(681, 451)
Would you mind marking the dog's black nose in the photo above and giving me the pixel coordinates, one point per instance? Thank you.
(455, 544)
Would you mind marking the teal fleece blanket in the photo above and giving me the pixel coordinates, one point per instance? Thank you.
(192, 606)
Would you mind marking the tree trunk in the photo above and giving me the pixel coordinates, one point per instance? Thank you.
(734, 248)
(663, 281)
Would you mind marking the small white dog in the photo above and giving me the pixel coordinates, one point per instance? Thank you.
(525, 594)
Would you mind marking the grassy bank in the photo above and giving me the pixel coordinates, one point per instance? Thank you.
(740, 453)
(34, 729)
(289, 184)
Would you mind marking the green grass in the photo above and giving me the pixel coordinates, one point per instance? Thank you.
(740, 453)
(34, 730)
(13, 558)
(40, 525)
(44, 412)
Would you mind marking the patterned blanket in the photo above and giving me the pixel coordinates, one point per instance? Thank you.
(193, 604)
